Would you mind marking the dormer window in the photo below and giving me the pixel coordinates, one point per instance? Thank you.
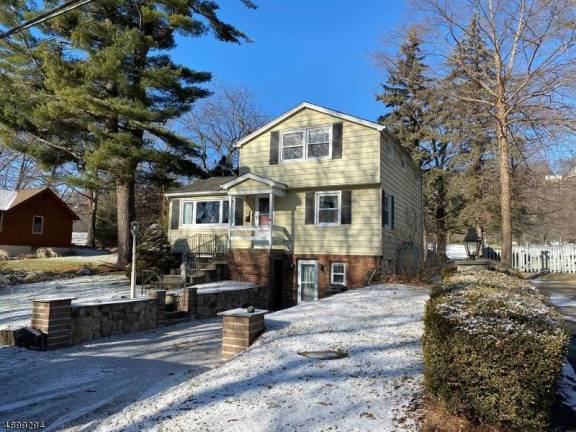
(307, 144)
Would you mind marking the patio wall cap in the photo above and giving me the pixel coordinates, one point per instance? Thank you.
(54, 299)
(242, 312)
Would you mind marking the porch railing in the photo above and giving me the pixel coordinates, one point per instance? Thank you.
(265, 236)
(213, 249)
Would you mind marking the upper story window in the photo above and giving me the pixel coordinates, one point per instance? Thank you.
(308, 143)
(328, 208)
(205, 212)
(37, 224)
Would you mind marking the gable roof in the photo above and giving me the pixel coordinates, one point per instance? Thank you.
(12, 199)
(314, 107)
(250, 176)
(211, 184)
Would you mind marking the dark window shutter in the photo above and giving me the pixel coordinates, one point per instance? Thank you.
(238, 212)
(392, 211)
(310, 202)
(175, 219)
(337, 140)
(346, 213)
(383, 208)
(274, 147)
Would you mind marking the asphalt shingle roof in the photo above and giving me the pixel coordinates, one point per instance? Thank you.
(211, 184)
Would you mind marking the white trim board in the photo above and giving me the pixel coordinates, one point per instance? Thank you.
(314, 107)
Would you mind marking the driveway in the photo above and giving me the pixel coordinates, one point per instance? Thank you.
(78, 387)
(563, 296)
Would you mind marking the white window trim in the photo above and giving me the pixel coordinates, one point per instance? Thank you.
(332, 273)
(305, 156)
(388, 225)
(195, 225)
(317, 208)
(42, 226)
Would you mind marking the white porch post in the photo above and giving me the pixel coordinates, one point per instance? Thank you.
(231, 216)
(271, 233)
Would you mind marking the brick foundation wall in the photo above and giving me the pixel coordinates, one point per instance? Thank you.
(255, 266)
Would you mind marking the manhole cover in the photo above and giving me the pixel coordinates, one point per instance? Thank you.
(324, 354)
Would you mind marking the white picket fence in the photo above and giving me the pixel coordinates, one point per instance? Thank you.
(536, 258)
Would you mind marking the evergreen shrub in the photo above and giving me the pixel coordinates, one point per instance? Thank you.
(493, 349)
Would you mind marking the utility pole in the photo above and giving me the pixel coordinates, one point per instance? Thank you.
(53, 13)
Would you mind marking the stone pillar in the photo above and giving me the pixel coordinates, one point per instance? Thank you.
(240, 329)
(53, 318)
(188, 301)
(160, 297)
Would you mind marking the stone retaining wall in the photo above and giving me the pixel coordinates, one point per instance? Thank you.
(98, 320)
(210, 303)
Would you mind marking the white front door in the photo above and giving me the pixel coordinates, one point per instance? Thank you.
(307, 280)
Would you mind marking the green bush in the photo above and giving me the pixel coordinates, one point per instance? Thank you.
(493, 349)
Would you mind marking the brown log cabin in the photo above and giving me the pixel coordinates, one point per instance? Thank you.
(33, 218)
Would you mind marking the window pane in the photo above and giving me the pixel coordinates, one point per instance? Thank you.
(328, 216)
(338, 268)
(226, 212)
(292, 153)
(338, 278)
(328, 201)
(293, 139)
(318, 150)
(207, 212)
(37, 224)
(319, 135)
(187, 213)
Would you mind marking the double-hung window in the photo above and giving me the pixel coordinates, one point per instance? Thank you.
(338, 273)
(205, 212)
(328, 207)
(309, 143)
(293, 145)
(388, 210)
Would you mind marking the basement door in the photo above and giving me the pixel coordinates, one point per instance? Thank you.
(307, 280)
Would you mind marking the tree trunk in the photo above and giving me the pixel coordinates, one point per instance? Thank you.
(440, 216)
(505, 185)
(91, 237)
(125, 215)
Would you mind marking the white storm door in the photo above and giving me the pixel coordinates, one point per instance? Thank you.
(307, 280)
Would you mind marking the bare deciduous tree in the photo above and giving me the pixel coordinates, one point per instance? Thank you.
(216, 123)
(530, 88)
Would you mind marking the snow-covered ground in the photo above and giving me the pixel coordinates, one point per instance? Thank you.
(16, 301)
(75, 388)
(271, 387)
(456, 251)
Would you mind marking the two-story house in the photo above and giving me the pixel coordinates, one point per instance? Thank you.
(323, 198)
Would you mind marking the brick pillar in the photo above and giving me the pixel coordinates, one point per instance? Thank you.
(160, 297)
(240, 329)
(53, 318)
(188, 301)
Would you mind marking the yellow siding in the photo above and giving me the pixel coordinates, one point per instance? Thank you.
(249, 185)
(404, 184)
(359, 163)
(362, 237)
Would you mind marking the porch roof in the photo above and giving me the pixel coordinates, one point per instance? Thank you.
(255, 184)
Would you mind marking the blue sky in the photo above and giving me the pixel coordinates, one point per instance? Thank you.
(313, 50)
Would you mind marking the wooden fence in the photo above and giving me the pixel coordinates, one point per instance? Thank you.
(536, 258)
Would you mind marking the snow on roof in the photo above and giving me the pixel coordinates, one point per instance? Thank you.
(6, 198)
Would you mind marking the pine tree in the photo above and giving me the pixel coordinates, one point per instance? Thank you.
(418, 119)
(112, 78)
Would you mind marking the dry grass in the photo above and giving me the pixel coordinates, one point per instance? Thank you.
(52, 265)
(436, 418)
